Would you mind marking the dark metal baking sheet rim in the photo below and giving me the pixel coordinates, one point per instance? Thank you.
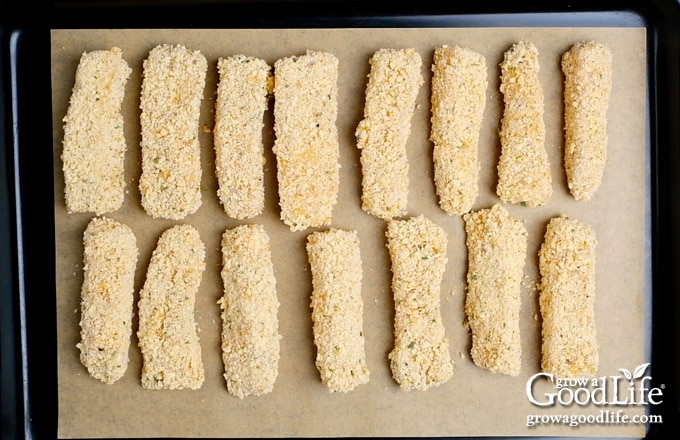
(27, 300)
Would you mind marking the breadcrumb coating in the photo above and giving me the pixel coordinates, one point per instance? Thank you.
(459, 83)
(497, 248)
(94, 145)
(250, 326)
(420, 358)
(170, 102)
(242, 95)
(337, 308)
(107, 296)
(567, 298)
(306, 144)
(393, 85)
(523, 167)
(587, 71)
(168, 334)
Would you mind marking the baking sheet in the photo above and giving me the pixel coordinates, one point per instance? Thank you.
(474, 402)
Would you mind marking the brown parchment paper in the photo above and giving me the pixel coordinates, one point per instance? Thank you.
(474, 402)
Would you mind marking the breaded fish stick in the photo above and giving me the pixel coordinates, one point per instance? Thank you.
(107, 296)
(172, 91)
(459, 83)
(168, 334)
(567, 298)
(337, 308)
(94, 146)
(306, 144)
(250, 326)
(523, 168)
(393, 84)
(587, 71)
(497, 247)
(242, 95)
(420, 358)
